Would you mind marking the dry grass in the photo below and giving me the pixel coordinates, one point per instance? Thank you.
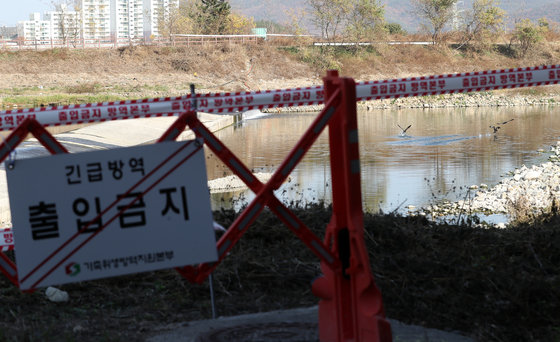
(494, 285)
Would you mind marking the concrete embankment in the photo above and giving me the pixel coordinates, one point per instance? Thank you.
(111, 134)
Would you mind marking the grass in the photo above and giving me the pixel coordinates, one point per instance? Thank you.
(491, 284)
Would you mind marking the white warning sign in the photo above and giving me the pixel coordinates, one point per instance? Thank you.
(100, 214)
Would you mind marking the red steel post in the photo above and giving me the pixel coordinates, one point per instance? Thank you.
(351, 307)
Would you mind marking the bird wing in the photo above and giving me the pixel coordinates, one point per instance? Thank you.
(402, 129)
(406, 129)
(505, 122)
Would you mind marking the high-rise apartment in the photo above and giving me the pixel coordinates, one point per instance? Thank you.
(96, 19)
(157, 11)
(127, 18)
(35, 29)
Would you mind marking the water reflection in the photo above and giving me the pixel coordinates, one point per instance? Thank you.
(443, 152)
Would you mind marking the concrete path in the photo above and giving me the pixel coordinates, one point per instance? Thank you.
(106, 135)
(282, 326)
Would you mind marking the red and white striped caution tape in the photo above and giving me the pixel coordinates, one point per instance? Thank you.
(242, 101)
(6, 239)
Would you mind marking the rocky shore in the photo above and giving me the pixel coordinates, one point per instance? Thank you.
(525, 194)
(499, 98)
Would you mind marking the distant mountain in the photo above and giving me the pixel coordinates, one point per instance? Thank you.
(398, 11)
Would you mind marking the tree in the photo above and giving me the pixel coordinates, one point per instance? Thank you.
(212, 16)
(437, 12)
(365, 19)
(329, 16)
(527, 35)
(239, 24)
(483, 23)
(67, 20)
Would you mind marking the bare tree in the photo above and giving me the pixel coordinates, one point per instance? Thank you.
(483, 23)
(438, 13)
(365, 20)
(330, 16)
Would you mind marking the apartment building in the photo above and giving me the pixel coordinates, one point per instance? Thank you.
(155, 11)
(100, 19)
(35, 29)
(65, 24)
(127, 19)
(96, 19)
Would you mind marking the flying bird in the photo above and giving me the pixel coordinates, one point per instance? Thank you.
(403, 129)
(499, 125)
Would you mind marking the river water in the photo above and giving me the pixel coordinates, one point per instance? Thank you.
(443, 153)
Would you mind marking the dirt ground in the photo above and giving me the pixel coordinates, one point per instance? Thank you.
(491, 284)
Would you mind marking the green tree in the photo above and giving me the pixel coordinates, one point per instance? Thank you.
(438, 13)
(527, 35)
(365, 20)
(483, 23)
(394, 28)
(213, 16)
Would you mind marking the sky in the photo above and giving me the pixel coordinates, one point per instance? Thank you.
(12, 11)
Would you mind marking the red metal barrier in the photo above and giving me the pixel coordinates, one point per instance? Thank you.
(350, 307)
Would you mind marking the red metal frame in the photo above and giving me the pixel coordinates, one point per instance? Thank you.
(350, 306)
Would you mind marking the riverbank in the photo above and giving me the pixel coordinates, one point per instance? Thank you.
(524, 195)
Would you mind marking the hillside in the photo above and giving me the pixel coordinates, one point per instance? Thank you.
(400, 11)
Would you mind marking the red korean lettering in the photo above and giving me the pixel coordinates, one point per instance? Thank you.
(9, 120)
(145, 108)
(175, 106)
(529, 75)
(134, 110)
(19, 119)
(414, 86)
(483, 81)
(374, 90)
(320, 94)
(433, 85)
(503, 79)
(249, 99)
(512, 78)
(392, 88)
(112, 111)
(218, 102)
(402, 87)
(466, 82)
(228, 101)
(383, 89)
(296, 96)
(286, 97)
(96, 113)
(276, 98)
(474, 82)
(238, 101)
(203, 103)
(551, 75)
(492, 80)
(521, 77)
(74, 115)
(123, 110)
(85, 114)
(424, 85)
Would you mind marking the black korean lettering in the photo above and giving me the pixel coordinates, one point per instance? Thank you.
(43, 220)
(170, 205)
(134, 215)
(116, 168)
(81, 208)
(94, 172)
(73, 174)
(136, 165)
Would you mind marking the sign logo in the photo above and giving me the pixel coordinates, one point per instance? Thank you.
(72, 269)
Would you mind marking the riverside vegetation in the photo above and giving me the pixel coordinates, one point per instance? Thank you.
(488, 283)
